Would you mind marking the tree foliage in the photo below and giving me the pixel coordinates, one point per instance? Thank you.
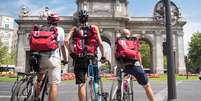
(194, 54)
(3, 52)
(5, 57)
(146, 54)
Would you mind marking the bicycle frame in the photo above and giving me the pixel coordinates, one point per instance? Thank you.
(92, 78)
(122, 89)
(44, 87)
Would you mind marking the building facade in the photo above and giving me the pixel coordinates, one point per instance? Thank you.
(111, 15)
(7, 31)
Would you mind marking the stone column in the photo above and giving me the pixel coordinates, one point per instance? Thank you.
(113, 61)
(21, 55)
(158, 53)
(181, 67)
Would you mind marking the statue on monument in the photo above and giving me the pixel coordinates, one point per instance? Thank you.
(159, 12)
(25, 11)
(45, 13)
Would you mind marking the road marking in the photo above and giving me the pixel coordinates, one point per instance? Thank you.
(161, 95)
(4, 96)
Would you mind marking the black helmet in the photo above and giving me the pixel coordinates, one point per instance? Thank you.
(83, 16)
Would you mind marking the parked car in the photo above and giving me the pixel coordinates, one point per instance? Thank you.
(6, 71)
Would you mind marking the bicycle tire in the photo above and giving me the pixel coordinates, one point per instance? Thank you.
(27, 91)
(15, 90)
(89, 91)
(100, 91)
(113, 92)
(24, 88)
(44, 89)
(131, 90)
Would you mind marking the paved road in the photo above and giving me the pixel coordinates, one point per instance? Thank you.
(186, 91)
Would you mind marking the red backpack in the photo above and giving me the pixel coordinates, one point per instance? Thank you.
(43, 41)
(127, 48)
(89, 41)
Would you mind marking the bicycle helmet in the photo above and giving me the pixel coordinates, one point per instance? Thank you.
(53, 18)
(83, 16)
(126, 32)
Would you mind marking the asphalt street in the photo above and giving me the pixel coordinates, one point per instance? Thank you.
(186, 91)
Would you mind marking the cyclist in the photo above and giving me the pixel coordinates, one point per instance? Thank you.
(128, 56)
(86, 39)
(51, 60)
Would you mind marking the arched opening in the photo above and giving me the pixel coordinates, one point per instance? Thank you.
(105, 67)
(146, 54)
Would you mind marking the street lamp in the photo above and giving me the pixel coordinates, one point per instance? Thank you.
(168, 17)
(170, 56)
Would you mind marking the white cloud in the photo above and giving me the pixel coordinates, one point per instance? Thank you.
(189, 29)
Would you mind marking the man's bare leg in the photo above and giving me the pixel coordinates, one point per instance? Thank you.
(53, 92)
(149, 92)
(81, 92)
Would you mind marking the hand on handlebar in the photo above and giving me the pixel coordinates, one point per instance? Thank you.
(73, 55)
(103, 60)
(64, 62)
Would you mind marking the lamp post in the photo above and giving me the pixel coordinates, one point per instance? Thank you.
(170, 56)
(168, 17)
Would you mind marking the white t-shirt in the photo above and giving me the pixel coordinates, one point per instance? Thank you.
(60, 40)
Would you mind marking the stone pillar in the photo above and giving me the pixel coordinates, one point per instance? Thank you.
(158, 53)
(21, 55)
(113, 61)
(181, 67)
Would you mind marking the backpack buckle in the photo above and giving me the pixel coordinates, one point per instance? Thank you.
(37, 34)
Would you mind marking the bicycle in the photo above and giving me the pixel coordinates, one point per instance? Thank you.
(122, 87)
(24, 87)
(94, 86)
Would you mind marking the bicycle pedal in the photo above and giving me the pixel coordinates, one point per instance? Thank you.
(105, 94)
(36, 99)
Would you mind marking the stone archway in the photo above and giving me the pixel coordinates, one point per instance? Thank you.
(107, 51)
(109, 20)
(147, 54)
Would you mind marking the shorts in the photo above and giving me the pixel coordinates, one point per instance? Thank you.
(53, 66)
(138, 72)
(81, 69)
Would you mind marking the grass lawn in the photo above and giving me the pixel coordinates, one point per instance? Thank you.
(164, 77)
(7, 79)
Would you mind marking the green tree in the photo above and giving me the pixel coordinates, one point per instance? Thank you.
(146, 54)
(3, 52)
(10, 58)
(5, 57)
(194, 54)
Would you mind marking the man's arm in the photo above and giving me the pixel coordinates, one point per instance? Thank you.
(67, 39)
(100, 42)
(63, 51)
(61, 45)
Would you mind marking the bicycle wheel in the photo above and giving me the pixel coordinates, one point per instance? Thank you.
(131, 91)
(115, 93)
(15, 90)
(45, 89)
(23, 92)
(90, 94)
(128, 91)
(99, 95)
